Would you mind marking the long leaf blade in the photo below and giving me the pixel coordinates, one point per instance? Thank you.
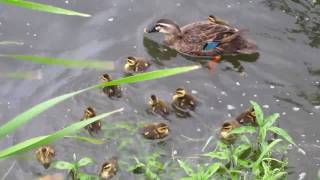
(24, 117)
(266, 150)
(282, 133)
(43, 140)
(244, 129)
(102, 65)
(270, 120)
(43, 7)
(186, 167)
(259, 113)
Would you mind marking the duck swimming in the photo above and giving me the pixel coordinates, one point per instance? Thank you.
(248, 117)
(136, 64)
(158, 106)
(183, 102)
(45, 155)
(95, 126)
(109, 169)
(212, 37)
(112, 91)
(226, 128)
(155, 131)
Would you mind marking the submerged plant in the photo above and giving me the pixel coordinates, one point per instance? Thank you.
(74, 168)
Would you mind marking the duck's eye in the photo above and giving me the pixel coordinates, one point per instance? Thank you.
(107, 167)
(131, 61)
(226, 126)
(162, 129)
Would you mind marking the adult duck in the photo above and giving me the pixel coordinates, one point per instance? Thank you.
(203, 38)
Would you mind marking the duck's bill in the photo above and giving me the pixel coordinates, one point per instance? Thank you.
(151, 28)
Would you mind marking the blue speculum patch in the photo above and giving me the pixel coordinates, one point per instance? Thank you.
(210, 45)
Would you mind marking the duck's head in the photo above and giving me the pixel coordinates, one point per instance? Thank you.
(165, 26)
(162, 129)
(180, 92)
(212, 18)
(109, 169)
(131, 61)
(226, 128)
(105, 78)
(89, 112)
(153, 100)
(45, 155)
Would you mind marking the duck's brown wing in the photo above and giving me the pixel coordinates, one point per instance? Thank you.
(196, 35)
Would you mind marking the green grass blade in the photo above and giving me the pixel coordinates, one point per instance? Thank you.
(186, 167)
(244, 129)
(270, 120)
(62, 165)
(282, 133)
(259, 113)
(266, 150)
(150, 75)
(87, 139)
(43, 140)
(102, 65)
(212, 169)
(28, 75)
(43, 7)
(11, 43)
(26, 116)
(85, 161)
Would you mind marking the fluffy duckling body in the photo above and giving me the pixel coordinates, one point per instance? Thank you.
(95, 126)
(112, 91)
(109, 169)
(248, 117)
(155, 131)
(226, 128)
(45, 155)
(158, 106)
(136, 65)
(203, 38)
(183, 100)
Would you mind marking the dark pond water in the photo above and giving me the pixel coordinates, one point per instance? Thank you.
(285, 78)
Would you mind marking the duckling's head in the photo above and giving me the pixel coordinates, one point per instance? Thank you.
(89, 112)
(131, 61)
(212, 18)
(163, 129)
(226, 128)
(165, 26)
(180, 92)
(153, 99)
(105, 78)
(45, 155)
(109, 169)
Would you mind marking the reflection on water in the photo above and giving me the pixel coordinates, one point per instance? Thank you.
(307, 14)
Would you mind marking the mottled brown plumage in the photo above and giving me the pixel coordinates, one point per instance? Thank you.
(155, 131)
(158, 106)
(112, 91)
(248, 117)
(136, 65)
(95, 126)
(109, 169)
(183, 100)
(192, 38)
(226, 128)
(45, 155)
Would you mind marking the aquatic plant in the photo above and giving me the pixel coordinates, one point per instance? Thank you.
(74, 168)
(100, 65)
(43, 7)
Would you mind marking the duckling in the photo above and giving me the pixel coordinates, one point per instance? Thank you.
(136, 64)
(45, 155)
(184, 101)
(95, 126)
(248, 117)
(109, 169)
(203, 38)
(216, 20)
(226, 128)
(155, 131)
(112, 91)
(158, 106)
